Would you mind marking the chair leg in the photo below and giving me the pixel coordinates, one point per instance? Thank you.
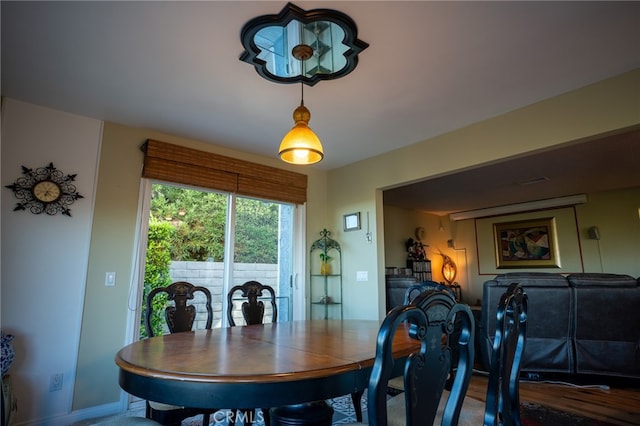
(356, 398)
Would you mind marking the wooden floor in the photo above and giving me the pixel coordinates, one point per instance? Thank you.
(618, 404)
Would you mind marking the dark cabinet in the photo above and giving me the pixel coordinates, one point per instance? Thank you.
(396, 287)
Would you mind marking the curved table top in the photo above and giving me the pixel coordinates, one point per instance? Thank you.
(255, 366)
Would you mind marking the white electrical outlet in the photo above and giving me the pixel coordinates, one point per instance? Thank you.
(110, 279)
(362, 276)
(55, 382)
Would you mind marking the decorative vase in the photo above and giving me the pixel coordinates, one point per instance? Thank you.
(7, 351)
(325, 269)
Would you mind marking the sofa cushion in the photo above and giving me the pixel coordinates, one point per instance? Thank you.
(607, 324)
(532, 279)
(601, 280)
(549, 321)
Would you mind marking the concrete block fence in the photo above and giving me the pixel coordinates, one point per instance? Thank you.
(209, 275)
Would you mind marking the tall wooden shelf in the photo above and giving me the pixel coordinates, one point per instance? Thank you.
(421, 269)
(325, 286)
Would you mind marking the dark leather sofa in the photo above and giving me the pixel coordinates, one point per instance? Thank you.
(579, 324)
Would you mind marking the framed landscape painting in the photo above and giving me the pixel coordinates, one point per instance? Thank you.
(527, 244)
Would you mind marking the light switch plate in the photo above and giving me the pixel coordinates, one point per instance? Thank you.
(362, 276)
(110, 279)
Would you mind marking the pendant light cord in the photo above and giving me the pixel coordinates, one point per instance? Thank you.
(302, 67)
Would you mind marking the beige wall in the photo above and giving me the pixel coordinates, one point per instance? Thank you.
(617, 216)
(44, 258)
(615, 213)
(593, 110)
(113, 245)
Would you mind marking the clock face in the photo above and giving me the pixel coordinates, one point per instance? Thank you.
(46, 191)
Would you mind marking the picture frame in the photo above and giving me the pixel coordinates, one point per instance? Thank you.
(352, 221)
(526, 244)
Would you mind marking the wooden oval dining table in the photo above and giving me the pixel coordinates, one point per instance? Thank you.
(255, 366)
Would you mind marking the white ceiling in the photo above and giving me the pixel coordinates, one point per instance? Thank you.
(431, 67)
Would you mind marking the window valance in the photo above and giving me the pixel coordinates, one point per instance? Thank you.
(178, 164)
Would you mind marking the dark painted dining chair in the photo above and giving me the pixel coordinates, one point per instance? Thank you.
(180, 315)
(412, 291)
(503, 390)
(396, 384)
(252, 309)
(429, 320)
(502, 403)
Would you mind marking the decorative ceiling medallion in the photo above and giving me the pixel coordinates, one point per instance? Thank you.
(269, 41)
(45, 190)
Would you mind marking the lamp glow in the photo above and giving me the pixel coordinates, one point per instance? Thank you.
(301, 145)
(449, 269)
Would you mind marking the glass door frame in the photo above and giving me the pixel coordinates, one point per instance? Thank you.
(137, 278)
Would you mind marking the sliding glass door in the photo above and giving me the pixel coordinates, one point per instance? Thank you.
(263, 243)
(216, 240)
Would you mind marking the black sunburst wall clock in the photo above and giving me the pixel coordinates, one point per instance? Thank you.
(45, 190)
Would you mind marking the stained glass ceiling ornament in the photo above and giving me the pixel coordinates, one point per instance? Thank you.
(269, 41)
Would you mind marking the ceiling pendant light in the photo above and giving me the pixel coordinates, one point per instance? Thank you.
(301, 146)
(327, 38)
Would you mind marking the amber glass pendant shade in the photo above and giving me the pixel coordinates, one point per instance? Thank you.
(301, 145)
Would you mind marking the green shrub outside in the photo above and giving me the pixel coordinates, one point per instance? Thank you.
(156, 273)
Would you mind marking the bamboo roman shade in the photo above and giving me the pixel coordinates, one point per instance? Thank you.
(173, 163)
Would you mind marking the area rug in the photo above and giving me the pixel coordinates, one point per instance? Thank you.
(343, 412)
(538, 415)
(531, 415)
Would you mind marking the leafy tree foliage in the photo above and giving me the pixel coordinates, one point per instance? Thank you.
(156, 273)
(256, 231)
(199, 218)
